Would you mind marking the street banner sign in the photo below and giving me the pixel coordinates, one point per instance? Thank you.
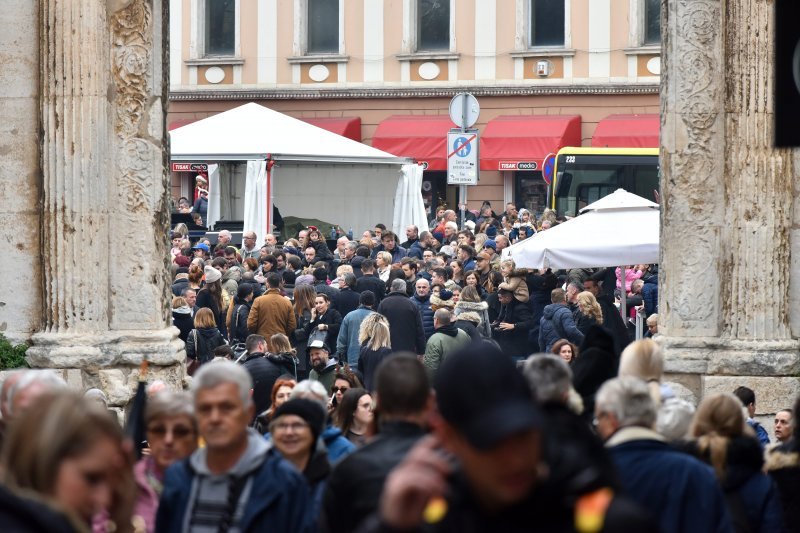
(462, 157)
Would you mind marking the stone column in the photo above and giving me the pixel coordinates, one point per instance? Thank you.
(727, 212)
(104, 194)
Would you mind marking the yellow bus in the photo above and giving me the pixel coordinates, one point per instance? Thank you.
(584, 175)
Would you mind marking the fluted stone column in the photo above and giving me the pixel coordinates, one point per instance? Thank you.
(727, 214)
(104, 194)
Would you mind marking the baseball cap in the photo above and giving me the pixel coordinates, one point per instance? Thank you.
(318, 343)
(200, 246)
(505, 405)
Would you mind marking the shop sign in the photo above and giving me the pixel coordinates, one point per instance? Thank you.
(518, 165)
(190, 167)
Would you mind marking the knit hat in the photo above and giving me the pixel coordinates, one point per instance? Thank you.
(310, 411)
(212, 274)
(490, 244)
(491, 232)
(305, 279)
(443, 301)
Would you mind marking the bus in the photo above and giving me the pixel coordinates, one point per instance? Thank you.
(584, 175)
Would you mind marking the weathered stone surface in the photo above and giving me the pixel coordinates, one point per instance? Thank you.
(682, 392)
(772, 394)
(117, 387)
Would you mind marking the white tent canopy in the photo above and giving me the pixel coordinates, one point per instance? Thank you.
(619, 229)
(306, 171)
(252, 131)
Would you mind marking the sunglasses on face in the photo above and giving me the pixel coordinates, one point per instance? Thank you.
(339, 389)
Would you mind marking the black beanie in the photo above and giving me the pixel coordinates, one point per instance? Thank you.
(309, 410)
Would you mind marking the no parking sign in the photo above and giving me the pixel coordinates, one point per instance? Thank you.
(548, 166)
(462, 157)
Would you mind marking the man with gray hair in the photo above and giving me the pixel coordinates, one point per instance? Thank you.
(237, 482)
(405, 321)
(549, 376)
(680, 491)
(446, 340)
(31, 385)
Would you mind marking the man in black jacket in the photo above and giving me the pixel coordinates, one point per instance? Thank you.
(405, 322)
(348, 299)
(510, 330)
(370, 282)
(404, 400)
(264, 370)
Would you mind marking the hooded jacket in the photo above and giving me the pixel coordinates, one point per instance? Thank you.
(753, 499)
(182, 319)
(557, 323)
(201, 343)
(230, 281)
(445, 341)
(274, 495)
(238, 323)
(482, 310)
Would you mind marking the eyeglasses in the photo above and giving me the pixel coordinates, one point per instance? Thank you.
(339, 389)
(286, 426)
(178, 432)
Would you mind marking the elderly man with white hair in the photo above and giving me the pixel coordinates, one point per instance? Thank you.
(680, 491)
(237, 482)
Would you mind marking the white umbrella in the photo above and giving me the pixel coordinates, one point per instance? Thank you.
(619, 229)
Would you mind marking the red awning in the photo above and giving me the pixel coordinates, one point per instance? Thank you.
(175, 124)
(627, 131)
(349, 127)
(423, 137)
(510, 140)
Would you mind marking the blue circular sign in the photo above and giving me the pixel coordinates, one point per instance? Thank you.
(462, 147)
(548, 165)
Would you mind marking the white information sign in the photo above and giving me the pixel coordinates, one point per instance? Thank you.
(462, 157)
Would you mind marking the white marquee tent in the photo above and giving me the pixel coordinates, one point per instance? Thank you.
(619, 229)
(306, 171)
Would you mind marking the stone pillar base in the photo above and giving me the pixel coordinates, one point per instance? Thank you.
(697, 367)
(110, 361)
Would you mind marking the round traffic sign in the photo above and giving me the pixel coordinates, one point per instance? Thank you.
(464, 110)
(548, 166)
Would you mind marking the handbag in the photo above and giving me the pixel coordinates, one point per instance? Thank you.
(193, 364)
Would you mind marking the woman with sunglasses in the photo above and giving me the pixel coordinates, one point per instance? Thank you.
(342, 382)
(171, 431)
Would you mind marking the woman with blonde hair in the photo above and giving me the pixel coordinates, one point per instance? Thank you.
(722, 439)
(383, 264)
(374, 338)
(643, 359)
(588, 312)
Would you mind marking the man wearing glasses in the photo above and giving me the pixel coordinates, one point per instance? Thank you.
(249, 248)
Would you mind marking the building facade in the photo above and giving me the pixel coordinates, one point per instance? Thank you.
(545, 73)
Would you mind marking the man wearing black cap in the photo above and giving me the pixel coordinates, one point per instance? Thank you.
(483, 468)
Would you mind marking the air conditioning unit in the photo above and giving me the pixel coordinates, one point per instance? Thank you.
(544, 68)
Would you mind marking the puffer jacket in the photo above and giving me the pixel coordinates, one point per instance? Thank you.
(650, 294)
(425, 311)
(557, 323)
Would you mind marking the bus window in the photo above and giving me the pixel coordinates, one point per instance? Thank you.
(584, 175)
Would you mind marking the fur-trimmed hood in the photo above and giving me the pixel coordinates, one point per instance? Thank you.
(476, 307)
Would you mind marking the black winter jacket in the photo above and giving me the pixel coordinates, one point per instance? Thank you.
(405, 323)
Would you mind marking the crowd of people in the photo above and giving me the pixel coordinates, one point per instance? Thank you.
(382, 386)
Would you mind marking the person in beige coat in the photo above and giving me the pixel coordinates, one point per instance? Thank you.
(271, 313)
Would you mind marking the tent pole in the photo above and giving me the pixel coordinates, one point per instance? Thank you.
(623, 295)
